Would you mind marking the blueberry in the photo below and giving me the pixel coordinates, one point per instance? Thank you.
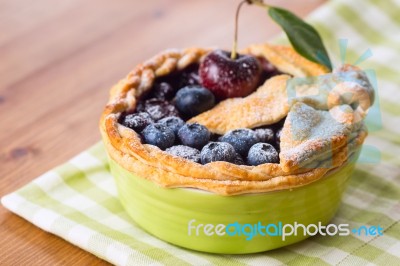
(137, 121)
(278, 136)
(189, 78)
(173, 122)
(261, 153)
(159, 109)
(217, 151)
(186, 152)
(140, 107)
(193, 100)
(194, 135)
(241, 139)
(265, 135)
(162, 91)
(159, 135)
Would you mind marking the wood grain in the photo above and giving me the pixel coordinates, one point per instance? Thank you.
(58, 60)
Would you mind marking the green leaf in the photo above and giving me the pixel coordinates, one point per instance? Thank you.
(303, 37)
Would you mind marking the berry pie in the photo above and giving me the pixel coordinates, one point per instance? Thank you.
(267, 120)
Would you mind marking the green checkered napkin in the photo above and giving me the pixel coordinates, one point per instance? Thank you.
(78, 200)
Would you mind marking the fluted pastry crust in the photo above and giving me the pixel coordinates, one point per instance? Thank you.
(147, 161)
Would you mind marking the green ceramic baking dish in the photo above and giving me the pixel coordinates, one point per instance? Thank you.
(169, 213)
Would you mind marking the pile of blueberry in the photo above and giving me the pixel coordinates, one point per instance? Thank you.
(161, 114)
(193, 141)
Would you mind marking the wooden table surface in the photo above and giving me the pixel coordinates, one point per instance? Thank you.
(58, 60)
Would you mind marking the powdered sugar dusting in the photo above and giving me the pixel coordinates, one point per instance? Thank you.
(185, 152)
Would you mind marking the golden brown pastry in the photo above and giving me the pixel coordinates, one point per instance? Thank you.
(321, 131)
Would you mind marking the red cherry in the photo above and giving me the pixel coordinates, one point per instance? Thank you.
(227, 77)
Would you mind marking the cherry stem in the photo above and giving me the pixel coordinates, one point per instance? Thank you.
(258, 3)
(234, 47)
(255, 2)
